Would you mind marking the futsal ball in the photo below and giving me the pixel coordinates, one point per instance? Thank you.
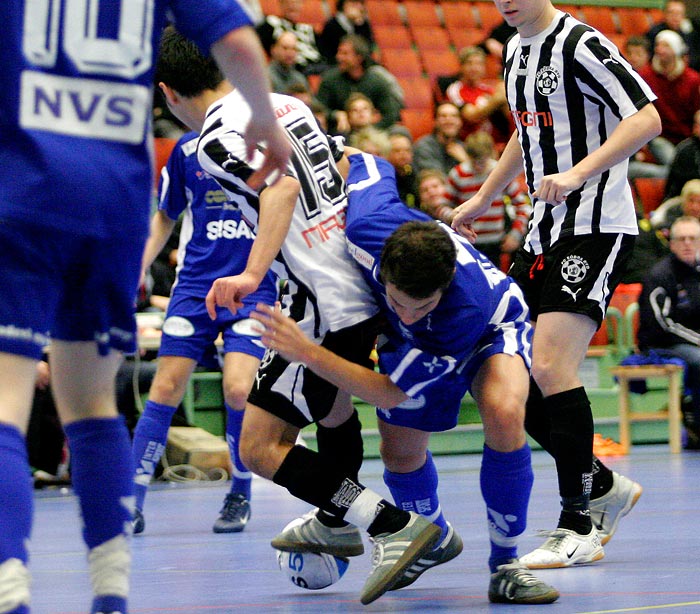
(310, 570)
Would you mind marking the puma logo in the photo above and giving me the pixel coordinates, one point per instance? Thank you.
(606, 60)
(570, 291)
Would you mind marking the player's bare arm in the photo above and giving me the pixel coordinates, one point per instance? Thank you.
(241, 59)
(631, 134)
(276, 209)
(509, 166)
(283, 335)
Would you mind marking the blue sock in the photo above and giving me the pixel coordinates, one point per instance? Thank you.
(241, 478)
(16, 499)
(150, 437)
(102, 476)
(417, 492)
(506, 482)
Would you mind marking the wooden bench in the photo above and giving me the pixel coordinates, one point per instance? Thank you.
(672, 412)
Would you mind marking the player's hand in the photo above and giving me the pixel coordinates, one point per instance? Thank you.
(277, 151)
(229, 292)
(464, 216)
(281, 333)
(555, 188)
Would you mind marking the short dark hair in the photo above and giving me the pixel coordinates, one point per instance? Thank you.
(183, 67)
(419, 259)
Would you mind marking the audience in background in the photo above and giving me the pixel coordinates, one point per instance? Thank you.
(401, 158)
(432, 195)
(482, 105)
(371, 140)
(360, 112)
(687, 204)
(356, 73)
(686, 162)
(638, 51)
(442, 149)
(282, 64)
(493, 43)
(669, 314)
(350, 18)
(501, 229)
(676, 19)
(309, 59)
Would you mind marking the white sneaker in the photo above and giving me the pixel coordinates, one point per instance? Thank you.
(564, 548)
(309, 534)
(607, 510)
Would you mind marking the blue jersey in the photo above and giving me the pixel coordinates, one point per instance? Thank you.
(215, 240)
(75, 149)
(480, 301)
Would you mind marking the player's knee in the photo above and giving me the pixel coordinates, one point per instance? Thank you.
(236, 395)
(401, 459)
(167, 390)
(505, 419)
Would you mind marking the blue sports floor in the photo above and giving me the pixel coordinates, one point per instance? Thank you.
(651, 565)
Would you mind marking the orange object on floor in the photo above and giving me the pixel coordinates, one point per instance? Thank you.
(604, 446)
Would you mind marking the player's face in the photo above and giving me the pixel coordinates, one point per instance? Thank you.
(410, 309)
(529, 16)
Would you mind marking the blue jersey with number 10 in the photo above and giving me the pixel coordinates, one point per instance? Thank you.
(75, 106)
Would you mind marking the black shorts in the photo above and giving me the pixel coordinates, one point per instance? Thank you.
(296, 394)
(577, 275)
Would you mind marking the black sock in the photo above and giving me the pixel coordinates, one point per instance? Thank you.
(537, 422)
(602, 479)
(390, 519)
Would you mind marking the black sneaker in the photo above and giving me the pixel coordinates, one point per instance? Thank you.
(234, 514)
(138, 522)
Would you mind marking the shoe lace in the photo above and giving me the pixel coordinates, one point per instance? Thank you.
(516, 573)
(555, 539)
(233, 507)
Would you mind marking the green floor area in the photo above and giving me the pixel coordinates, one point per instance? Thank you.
(204, 408)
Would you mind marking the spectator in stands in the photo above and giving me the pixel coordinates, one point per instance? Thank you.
(432, 195)
(371, 140)
(356, 73)
(638, 51)
(282, 64)
(676, 19)
(309, 59)
(350, 18)
(650, 246)
(687, 204)
(678, 89)
(493, 43)
(686, 163)
(442, 149)
(482, 105)
(501, 229)
(401, 158)
(360, 112)
(669, 314)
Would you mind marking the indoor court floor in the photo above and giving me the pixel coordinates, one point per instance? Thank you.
(180, 567)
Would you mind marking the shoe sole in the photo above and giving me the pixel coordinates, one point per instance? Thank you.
(430, 564)
(625, 510)
(237, 529)
(423, 543)
(549, 597)
(289, 546)
(575, 562)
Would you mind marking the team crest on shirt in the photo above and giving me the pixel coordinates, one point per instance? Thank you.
(547, 80)
(574, 269)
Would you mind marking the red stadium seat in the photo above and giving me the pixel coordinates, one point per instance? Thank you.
(602, 18)
(392, 37)
(418, 121)
(162, 148)
(384, 13)
(440, 62)
(633, 21)
(418, 93)
(649, 192)
(459, 15)
(402, 62)
(313, 12)
(429, 37)
(465, 37)
(489, 17)
(421, 13)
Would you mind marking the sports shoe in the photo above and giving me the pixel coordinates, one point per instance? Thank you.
(513, 583)
(607, 510)
(308, 534)
(450, 547)
(565, 548)
(604, 446)
(394, 553)
(138, 522)
(234, 514)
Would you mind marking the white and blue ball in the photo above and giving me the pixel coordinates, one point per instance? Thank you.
(311, 570)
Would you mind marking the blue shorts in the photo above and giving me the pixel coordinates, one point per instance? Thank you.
(188, 330)
(66, 286)
(437, 407)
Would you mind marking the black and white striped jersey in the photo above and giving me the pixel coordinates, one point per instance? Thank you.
(568, 88)
(314, 254)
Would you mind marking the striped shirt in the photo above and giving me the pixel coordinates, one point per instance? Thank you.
(463, 183)
(568, 88)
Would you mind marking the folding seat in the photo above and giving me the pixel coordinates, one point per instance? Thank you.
(461, 15)
(633, 21)
(431, 38)
(418, 93)
(392, 37)
(384, 13)
(489, 17)
(602, 18)
(421, 13)
(465, 37)
(402, 62)
(418, 121)
(440, 62)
